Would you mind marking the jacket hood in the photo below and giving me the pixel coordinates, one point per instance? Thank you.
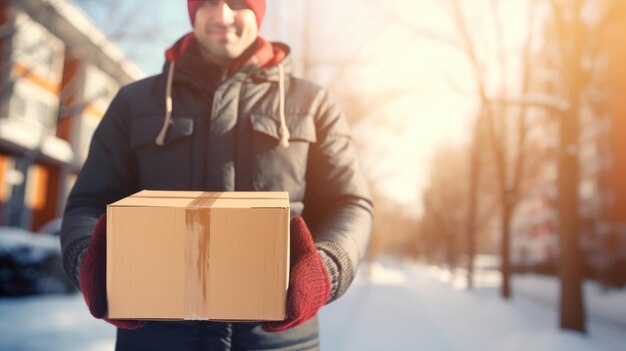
(262, 53)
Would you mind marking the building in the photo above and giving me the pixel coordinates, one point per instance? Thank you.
(58, 73)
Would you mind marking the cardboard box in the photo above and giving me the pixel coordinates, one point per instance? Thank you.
(180, 255)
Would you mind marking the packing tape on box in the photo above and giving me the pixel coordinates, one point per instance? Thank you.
(198, 224)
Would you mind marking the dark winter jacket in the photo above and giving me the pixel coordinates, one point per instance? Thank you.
(224, 135)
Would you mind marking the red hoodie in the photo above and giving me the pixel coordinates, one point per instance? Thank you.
(262, 52)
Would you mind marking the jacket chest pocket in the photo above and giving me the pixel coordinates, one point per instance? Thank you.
(278, 168)
(164, 167)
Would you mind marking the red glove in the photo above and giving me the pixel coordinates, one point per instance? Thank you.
(309, 283)
(93, 277)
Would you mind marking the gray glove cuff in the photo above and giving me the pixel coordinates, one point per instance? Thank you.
(339, 268)
(73, 259)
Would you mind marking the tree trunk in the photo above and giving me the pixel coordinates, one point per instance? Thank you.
(471, 208)
(570, 260)
(451, 252)
(505, 248)
(572, 314)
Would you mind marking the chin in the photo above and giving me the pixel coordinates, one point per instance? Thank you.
(231, 54)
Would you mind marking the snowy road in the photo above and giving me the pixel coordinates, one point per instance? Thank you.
(388, 308)
(415, 311)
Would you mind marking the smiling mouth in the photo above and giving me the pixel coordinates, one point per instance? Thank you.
(221, 32)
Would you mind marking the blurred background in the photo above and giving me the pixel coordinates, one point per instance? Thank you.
(493, 133)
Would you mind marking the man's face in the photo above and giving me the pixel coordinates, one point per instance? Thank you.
(224, 29)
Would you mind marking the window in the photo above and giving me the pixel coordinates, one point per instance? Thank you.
(46, 115)
(18, 106)
(37, 49)
(45, 58)
(34, 111)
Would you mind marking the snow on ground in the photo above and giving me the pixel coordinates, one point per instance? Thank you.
(604, 305)
(390, 306)
(53, 322)
(416, 309)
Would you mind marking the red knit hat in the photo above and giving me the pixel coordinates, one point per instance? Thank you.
(257, 6)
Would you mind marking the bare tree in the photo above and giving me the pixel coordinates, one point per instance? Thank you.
(572, 49)
(119, 20)
(574, 46)
(572, 312)
(506, 123)
(445, 204)
(475, 151)
(505, 119)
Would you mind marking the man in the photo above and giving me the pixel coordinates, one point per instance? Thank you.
(226, 114)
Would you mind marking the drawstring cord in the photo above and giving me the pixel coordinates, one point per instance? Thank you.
(160, 140)
(283, 131)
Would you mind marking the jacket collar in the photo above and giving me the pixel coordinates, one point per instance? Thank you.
(261, 54)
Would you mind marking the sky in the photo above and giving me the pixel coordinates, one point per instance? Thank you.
(396, 46)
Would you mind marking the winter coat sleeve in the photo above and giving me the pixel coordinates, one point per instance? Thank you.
(108, 174)
(338, 204)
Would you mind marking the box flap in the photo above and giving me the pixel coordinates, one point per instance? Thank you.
(225, 194)
(231, 199)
